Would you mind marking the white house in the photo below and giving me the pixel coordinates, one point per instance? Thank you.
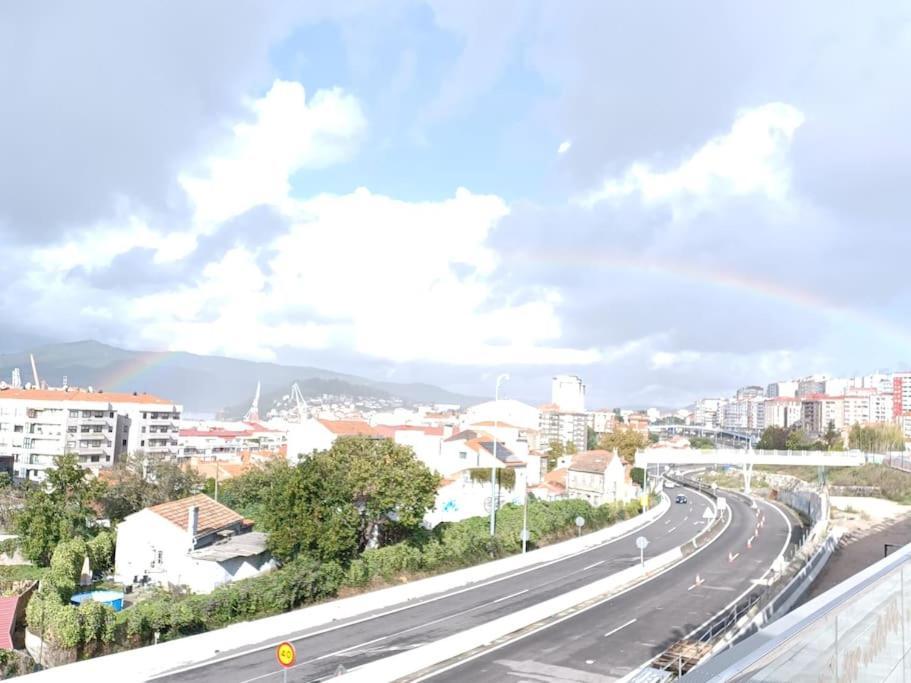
(319, 435)
(193, 542)
(599, 477)
(460, 497)
(426, 441)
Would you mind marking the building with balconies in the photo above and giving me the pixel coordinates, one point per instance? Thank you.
(37, 425)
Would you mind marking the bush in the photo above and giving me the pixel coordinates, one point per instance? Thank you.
(101, 552)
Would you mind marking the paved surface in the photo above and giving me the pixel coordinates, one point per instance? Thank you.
(612, 639)
(320, 652)
(859, 553)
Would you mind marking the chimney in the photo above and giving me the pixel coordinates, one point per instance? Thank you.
(192, 524)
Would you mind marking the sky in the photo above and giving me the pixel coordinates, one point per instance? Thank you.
(669, 200)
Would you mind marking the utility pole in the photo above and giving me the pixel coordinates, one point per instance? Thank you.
(493, 468)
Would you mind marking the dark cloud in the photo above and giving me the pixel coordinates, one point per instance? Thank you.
(106, 101)
(136, 270)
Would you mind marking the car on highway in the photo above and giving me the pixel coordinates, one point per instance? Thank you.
(669, 484)
(680, 498)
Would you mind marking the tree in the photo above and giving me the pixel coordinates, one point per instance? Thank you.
(62, 509)
(625, 441)
(555, 451)
(701, 442)
(773, 439)
(797, 440)
(140, 480)
(591, 439)
(337, 502)
(832, 437)
(876, 438)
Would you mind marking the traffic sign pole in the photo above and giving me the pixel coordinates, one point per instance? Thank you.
(286, 656)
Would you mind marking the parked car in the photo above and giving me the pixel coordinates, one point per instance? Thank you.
(680, 498)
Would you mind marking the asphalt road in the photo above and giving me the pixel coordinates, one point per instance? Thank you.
(615, 637)
(350, 643)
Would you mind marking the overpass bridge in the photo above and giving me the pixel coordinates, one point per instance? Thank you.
(736, 437)
(746, 458)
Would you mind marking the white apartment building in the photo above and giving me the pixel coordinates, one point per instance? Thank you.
(561, 426)
(38, 424)
(783, 411)
(602, 421)
(709, 412)
(567, 392)
(782, 389)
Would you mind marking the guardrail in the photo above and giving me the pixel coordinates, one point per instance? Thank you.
(423, 660)
(763, 603)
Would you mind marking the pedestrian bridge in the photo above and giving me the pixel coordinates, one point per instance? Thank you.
(738, 437)
(746, 458)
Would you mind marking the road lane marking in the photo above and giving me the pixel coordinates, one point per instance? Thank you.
(672, 529)
(593, 565)
(613, 631)
(507, 597)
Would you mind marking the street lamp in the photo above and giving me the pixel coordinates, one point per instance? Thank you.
(493, 467)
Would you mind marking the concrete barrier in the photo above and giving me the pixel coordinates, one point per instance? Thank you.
(423, 658)
(156, 660)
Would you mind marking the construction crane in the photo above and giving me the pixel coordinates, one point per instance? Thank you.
(253, 414)
(298, 399)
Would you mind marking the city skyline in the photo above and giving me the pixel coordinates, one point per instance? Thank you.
(421, 192)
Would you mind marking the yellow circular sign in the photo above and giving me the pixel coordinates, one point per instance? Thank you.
(285, 654)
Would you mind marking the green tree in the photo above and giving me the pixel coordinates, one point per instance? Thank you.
(62, 509)
(625, 441)
(797, 440)
(832, 437)
(876, 438)
(141, 480)
(337, 502)
(701, 442)
(555, 451)
(591, 439)
(250, 493)
(773, 439)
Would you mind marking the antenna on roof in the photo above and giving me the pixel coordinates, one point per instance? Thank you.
(34, 370)
(253, 414)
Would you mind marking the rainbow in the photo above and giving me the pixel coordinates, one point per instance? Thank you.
(718, 277)
(122, 376)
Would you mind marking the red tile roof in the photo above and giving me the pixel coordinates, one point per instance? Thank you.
(212, 516)
(76, 395)
(7, 621)
(592, 461)
(556, 477)
(349, 428)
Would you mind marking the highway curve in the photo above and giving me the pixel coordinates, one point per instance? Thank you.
(608, 641)
(351, 643)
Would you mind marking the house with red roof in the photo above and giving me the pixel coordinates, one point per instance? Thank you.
(193, 542)
(317, 434)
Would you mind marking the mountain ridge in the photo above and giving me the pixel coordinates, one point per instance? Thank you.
(202, 384)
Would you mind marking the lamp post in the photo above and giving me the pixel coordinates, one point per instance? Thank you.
(493, 468)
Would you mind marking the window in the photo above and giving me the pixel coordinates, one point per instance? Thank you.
(123, 442)
(95, 458)
(463, 455)
(142, 443)
(159, 557)
(74, 413)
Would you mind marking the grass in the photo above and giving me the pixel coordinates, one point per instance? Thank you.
(894, 484)
(21, 572)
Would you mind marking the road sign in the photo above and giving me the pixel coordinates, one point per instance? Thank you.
(525, 535)
(722, 503)
(642, 543)
(286, 655)
(580, 521)
(708, 514)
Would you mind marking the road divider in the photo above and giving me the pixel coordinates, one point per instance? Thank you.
(426, 660)
(243, 638)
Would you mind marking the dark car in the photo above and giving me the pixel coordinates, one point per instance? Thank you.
(680, 499)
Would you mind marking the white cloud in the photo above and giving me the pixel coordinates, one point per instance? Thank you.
(287, 134)
(750, 159)
(673, 359)
(564, 147)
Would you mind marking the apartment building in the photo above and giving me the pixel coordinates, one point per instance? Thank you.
(901, 394)
(818, 411)
(561, 426)
(783, 411)
(567, 392)
(38, 424)
(781, 389)
(709, 412)
(744, 413)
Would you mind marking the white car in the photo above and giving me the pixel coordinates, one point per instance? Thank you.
(669, 484)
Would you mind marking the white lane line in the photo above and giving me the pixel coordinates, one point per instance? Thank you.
(507, 597)
(593, 565)
(613, 631)
(686, 518)
(672, 529)
(393, 609)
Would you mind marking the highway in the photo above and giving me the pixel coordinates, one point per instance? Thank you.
(350, 643)
(613, 638)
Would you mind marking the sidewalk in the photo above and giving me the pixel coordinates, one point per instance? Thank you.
(860, 548)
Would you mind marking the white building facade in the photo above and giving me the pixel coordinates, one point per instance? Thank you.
(36, 425)
(568, 393)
